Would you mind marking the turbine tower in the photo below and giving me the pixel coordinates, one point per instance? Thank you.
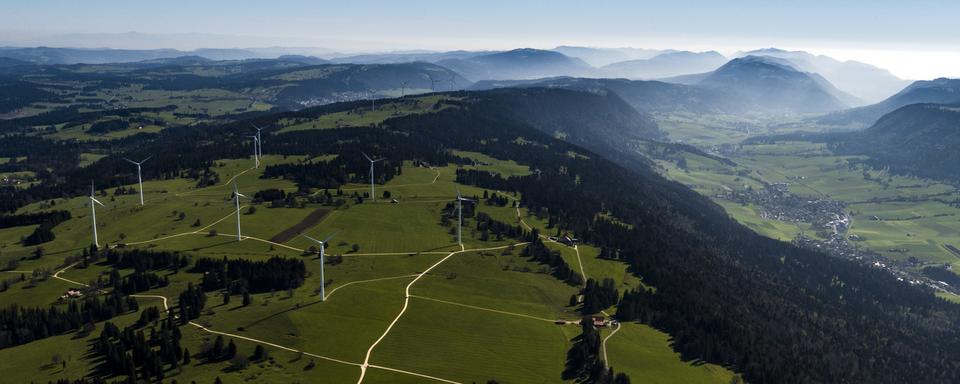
(373, 195)
(453, 81)
(460, 200)
(323, 246)
(236, 198)
(403, 87)
(256, 147)
(93, 214)
(259, 141)
(373, 101)
(139, 179)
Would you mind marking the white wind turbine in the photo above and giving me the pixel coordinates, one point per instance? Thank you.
(259, 141)
(403, 87)
(373, 100)
(139, 179)
(373, 196)
(323, 246)
(236, 198)
(460, 200)
(93, 214)
(256, 151)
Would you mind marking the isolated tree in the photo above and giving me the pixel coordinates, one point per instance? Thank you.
(260, 353)
(231, 350)
(247, 300)
(226, 298)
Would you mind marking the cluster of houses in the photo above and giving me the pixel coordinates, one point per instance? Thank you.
(565, 240)
(71, 293)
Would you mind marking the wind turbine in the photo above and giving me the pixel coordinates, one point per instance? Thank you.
(259, 141)
(403, 87)
(323, 246)
(236, 198)
(460, 200)
(453, 81)
(256, 152)
(373, 195)
(93, 210)
(139, 179)
(373, 101)
(433, 83)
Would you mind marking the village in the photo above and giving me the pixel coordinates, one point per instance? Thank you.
(831, 222)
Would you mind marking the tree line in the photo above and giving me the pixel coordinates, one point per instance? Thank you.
(241, 275)
(21, 325)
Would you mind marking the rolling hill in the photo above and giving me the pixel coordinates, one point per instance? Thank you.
(599, 57)
(646, 96)
(938, 91)
(772, 85)
(918, 139)
(666, 65)
(524, 63)
(864, 81)
(52, 55)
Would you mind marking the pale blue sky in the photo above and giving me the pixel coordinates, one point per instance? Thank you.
(868, 30)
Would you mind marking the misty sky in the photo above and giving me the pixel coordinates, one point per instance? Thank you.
(914, 39)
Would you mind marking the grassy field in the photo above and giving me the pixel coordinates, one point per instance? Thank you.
(479, 315)
(643, 352)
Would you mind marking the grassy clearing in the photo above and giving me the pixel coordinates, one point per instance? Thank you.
(366, 117)
(468, 345)
(644, 354)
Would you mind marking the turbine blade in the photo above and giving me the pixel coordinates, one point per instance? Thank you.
(131, 161)
(330, 237)
(315, 240)
(368, 157)
(93, 199)
(242, 195)
(145, 160)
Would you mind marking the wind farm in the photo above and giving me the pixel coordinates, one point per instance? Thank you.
(445, 197)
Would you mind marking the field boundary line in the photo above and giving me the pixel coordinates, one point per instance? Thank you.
(531, 317)
(414, 374)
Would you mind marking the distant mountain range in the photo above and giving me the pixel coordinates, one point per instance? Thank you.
(918, 139)
(666, 65)
(46, 55)
(524, 63)
(599, 57)
(815, 80)
(773, 85)
(750, 84)
(865, 81)
(939, 91)
(408, 57)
